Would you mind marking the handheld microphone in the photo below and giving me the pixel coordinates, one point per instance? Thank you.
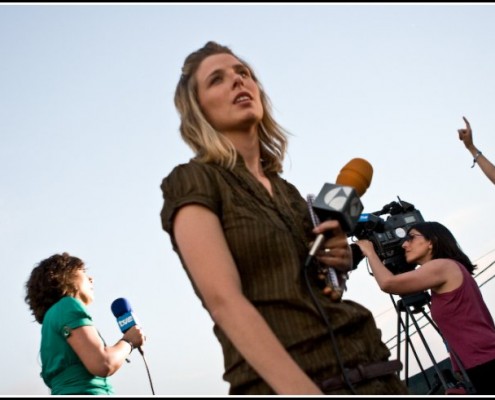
(340, 201)
(122, 310)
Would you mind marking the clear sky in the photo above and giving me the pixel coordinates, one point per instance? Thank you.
(88, 130)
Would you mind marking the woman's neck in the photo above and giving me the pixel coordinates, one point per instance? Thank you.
(248, 146)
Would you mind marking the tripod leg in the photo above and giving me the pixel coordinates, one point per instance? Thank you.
(427, 348)
(409, 345)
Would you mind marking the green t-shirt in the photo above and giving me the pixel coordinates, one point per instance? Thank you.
(62, 370)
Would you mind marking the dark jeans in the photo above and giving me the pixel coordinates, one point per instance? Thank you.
(483, 377)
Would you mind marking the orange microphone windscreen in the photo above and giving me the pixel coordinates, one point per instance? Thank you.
(357, 174)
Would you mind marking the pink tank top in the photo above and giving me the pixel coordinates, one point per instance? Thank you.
(465, 322)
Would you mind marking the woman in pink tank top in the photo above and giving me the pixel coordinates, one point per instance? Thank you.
(457, 306)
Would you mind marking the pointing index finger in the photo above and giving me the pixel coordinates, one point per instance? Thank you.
(468, 126)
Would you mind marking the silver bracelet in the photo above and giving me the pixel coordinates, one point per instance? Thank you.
(475, 159)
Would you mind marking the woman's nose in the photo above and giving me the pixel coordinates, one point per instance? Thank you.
(238, 80)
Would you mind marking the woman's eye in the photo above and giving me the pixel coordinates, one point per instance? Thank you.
(214, 80)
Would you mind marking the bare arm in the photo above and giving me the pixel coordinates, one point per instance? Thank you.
(101, 360)
(432, 275)
(466, 136)
(198, 232)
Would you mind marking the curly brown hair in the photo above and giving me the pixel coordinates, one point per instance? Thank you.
(50, 280)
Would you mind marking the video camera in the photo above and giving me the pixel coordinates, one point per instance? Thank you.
(388, 235)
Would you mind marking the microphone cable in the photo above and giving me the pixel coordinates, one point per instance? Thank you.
(148, 371)
(147, 368)
(122, 310)
(306, 265)
(330, 330)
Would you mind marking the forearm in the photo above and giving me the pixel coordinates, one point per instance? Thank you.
(115, 356)
(218, 280)
(257, 343)
(486, 166)
(99, 360)
(110, 359)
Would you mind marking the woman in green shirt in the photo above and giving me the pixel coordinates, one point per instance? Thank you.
(74, 357)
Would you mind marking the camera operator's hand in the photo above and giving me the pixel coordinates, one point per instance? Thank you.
(335, 251)
(366, 247)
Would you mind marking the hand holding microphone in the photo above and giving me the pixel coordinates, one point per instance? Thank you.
(339, 202)
(128, 324)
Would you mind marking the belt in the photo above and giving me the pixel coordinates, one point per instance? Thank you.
(361, 373)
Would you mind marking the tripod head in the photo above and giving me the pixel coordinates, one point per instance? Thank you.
(415, 300)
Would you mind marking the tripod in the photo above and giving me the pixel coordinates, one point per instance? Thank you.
(411, 305)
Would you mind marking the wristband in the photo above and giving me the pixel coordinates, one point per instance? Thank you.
(475, 159)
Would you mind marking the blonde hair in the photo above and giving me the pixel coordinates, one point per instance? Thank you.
(207, 143)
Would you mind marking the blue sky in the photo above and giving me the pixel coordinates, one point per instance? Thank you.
(88, 130)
